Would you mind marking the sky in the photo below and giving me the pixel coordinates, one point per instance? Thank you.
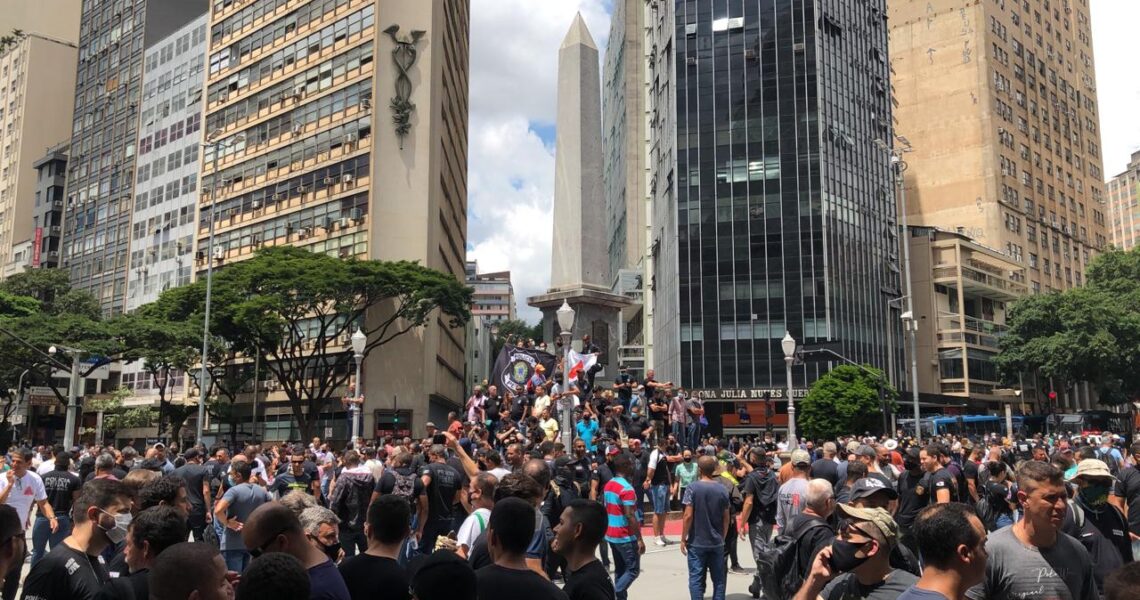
(514, 58)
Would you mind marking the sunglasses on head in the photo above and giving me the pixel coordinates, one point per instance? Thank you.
(258, 551)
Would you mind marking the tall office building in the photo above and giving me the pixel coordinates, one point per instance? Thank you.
(998, 100)
(108, 93)
(493, 298)
(624, 172)
(773, 208)
(35, 113)
(341, 127)
(1124, 205)
(51, 182)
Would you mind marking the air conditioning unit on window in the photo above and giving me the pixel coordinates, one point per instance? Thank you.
(347, 179)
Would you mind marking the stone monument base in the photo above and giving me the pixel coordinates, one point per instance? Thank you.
(597, 312)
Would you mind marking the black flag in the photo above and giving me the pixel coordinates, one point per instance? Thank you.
(514, 366)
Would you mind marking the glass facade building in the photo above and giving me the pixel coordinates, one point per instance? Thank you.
(780, 201)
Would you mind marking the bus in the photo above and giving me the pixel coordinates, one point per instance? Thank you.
(1093, 422)
(975, 425)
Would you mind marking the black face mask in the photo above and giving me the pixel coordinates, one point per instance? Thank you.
(843, 557)
(332, 550)
(688, 459)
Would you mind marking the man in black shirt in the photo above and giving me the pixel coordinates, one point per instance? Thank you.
(576, 537)
(509, 532)
(442, 484)
(910, 501)
(295, 480)
(1126, 496)
(377, 570)
(73, 570)
(197, 478)
(624, 385)
(659, 413)
(62, 488)
(1113, 549)
(940, 486)
(761, 492)
(152, 531)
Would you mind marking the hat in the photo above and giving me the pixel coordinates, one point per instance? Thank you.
(634, 442)
(160, 445)
(871, 485)
(539, 368)
(891, 444)
(1092, 467)
(442, 575)
(613, 451)
(852, 446)
(800, 457)
(878, 517)
(430, 424)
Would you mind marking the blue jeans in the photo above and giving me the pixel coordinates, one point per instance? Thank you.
(678, 430)
(1003, 520)
(236, 560)
(42, 535)
(712, 560)
(627, 566)
(694, 433)
(660, 496)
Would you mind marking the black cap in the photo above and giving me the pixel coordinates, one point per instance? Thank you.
(871, 485)
(441, 575)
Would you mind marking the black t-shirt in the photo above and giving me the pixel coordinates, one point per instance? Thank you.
(519, 406)
(500, 583)
(127, 587)
(60, 485)
(635, 425)
(368, 576)
(626, 393)
(591, 582)
(387, 485)
(65, 574)
(910, 500)
(941, 479)
(194, 475)
(445, 482)
(764, 489)
(970, 470)
(662, 408)
(1129, 488)
(480, 555)
(825, 468)
(492, 407)
(288, 482)
(603, 474)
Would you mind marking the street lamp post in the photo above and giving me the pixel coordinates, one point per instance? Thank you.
(565, 316)
(72, 394)
(789, 346)
(359, 341)
(216, 147)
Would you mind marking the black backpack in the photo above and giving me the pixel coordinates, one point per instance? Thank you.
(784, 578)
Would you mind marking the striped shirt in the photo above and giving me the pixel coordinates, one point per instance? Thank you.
(618, 495)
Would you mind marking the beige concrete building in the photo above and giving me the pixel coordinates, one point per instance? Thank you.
(37, 88)
(493, 298)
(961, 293)
(300, 96)
(998, 100)
(1124, 206)
(58, 19)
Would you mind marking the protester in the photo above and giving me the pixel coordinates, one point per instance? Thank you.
(192, 571)
(481, 496)
(321, 527)
(509, 534)
(11, 539)
(62, 487)
(443, 576)
(443, 486)
(349, 501)
(857, 564)
(274, 528)
(275, 575)
(952, 542)
(580, 530)
(231, 512)
(151, 532)
(1026, 558)
(758, 515)
(623, 531)
(73, 570)
(704, 530)
(376, 573)
(792, 491)
(1098, 525)
(197, 478)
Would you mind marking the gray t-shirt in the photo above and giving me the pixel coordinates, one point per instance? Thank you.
(790, 501)
(1015, 571)
(242, 500)
(847, 587)
(709, 501)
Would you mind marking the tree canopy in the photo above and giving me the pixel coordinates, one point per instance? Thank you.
(1089, 333)
(844, 400)
(296, 310)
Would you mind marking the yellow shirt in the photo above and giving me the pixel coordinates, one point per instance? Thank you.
(550, 426)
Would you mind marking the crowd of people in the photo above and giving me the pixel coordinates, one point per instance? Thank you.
(495, 505)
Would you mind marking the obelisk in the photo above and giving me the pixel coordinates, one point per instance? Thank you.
(579, 270)
(579, 249)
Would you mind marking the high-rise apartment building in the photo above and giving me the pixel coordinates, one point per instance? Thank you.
(108, 93)
(341, 127)
(164, 210)
(51, 182)
(773, 208)
(1124, 206)
(624, 172)
(998, 101)
(493, 298)
(35, 113)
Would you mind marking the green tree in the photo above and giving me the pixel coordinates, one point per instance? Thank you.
(844, 400)
(116, 416)
(296, 310)
(1090, 333)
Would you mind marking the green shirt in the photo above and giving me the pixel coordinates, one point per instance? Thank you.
(686, 473)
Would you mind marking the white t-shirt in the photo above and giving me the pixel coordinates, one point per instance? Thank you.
(46, 467)
(375, 467)
(29, 489)
(472, 526)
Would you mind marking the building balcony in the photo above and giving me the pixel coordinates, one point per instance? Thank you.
(954, 329)
(980, 283)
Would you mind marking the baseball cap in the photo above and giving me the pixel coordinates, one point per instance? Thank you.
(430, 424)
(441, 575)
(634, 442)
(613, 451)
(800, 457)
(891, 444)
(539, 368)
(1092, 467)
(870, 485)
(160, 445)
(878, 517)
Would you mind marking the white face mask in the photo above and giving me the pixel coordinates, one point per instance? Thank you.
(117, 533)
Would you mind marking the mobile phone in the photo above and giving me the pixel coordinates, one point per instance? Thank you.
(439, 438)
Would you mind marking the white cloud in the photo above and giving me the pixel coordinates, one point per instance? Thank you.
(1118, 91)
(514, 60)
